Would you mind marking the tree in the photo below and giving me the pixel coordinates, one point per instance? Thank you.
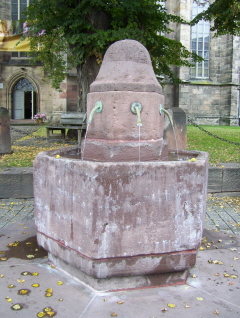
(225, 15)
(80, 31)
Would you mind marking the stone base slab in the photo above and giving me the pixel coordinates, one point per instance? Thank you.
(120, 266)
(121, 283)
(115, 150)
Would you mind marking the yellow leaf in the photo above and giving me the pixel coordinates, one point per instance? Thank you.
(201, 248)
(199, 298)
(16, 307)
(9, 300)
(48, 295)
(50, 313)
(187, 306)
(3, 259)
(1, 276)
(30, 256)
(171, 305)
(226, 275)
(35, 285)
(234, 276)
(120, 302)
(47, 309)
(20, 280)
(11, 286)
(59, 282)
(113, 314)
(41, 314)
(57, 156)
(23, 291)
(192, 160)
(35, 274)
(49, 290)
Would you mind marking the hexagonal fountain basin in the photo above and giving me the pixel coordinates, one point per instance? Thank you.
(124, 212)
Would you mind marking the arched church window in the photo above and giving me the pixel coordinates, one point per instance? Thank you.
(24, 85)
(200, 36)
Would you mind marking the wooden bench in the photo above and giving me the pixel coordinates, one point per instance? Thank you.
(75, 120)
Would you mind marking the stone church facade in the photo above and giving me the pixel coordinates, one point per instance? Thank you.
(209, 92)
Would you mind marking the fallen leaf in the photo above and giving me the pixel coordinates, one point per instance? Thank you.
(230, 283)
(57, 156)
(113, 314)
(120, 302)
(30, 256)
(35, 274)
(47, 309)
(49, 290)
(48, 295)
(26, 273)
(3, 259)
(11, 286)
(35, 285)
(164, 309)
(23, 291)
(235, 258)
(1, 276)
(9, 300)
(21, 280)
(226, 275)
(16, 307)
(187, 306)
(216, 312)
(41, 314)
(59, 282)
(217, 274)
(194, 276)
(199, 298)
(171, 305)
(201, 248)
(234, 276)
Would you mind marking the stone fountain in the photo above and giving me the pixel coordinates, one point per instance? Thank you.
(122, 214)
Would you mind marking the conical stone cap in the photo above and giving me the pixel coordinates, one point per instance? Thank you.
(126, 67)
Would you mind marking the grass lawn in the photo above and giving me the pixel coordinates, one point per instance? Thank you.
(23, 156)
(219, 150)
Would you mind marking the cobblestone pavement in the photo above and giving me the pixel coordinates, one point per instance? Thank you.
(222, 213)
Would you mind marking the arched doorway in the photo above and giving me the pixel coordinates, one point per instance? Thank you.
(24, 100)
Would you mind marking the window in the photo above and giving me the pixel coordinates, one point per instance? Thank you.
(17, 8)
(200, 40)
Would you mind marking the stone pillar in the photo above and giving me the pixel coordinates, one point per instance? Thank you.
(5, 137)
(177, 138)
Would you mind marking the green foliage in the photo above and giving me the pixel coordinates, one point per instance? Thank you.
(225, 14)
(75, 30)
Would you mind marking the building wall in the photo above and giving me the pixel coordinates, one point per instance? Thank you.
(213, 100)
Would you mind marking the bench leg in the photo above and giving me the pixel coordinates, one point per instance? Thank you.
(63, 135)
(79, 135)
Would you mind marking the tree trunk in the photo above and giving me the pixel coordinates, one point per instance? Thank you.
(86, 74)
